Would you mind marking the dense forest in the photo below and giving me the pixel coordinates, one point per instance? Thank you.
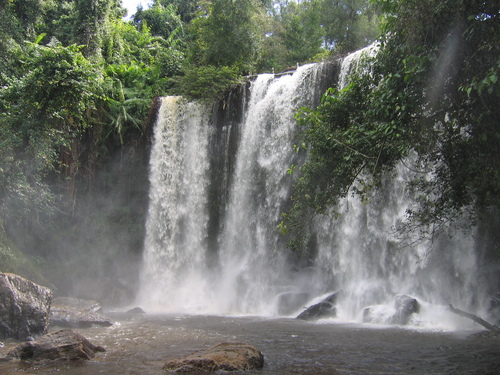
(77, 86)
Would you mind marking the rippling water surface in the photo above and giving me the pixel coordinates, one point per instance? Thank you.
(141, 345)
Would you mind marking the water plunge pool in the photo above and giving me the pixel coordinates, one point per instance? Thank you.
(142, 344)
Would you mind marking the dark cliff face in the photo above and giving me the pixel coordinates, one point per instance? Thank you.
(227, 116)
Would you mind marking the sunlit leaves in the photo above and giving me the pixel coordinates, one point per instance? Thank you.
(207, 82)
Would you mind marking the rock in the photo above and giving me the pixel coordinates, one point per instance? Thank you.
(318, 311)
(400, 314)
(65, 344)
(24, 307)
(324, 309)
(405, 306)
(228, 356)
(136, 311)
(333, 298)
(78, 313)
(289, 302)
(368, 314)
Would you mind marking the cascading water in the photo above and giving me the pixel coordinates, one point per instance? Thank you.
(217, 194)
(177, 218)
(248, 267)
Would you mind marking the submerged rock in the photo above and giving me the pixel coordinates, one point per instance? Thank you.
(324, 309)
(65, 344)
(228, 356)
(74, 312)
(24, 307)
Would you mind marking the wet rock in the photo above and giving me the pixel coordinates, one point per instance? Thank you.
(65, 344)
(136, 311)
(77, 313)
(405, 306)
(324, 309)
(368, 315)
(228, 356)
(334, 297)
(24, 307)
(290, 301)
(318, 311)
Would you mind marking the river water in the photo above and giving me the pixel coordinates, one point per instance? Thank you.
(142, 344)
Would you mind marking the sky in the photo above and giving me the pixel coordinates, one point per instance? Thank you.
(131, 5)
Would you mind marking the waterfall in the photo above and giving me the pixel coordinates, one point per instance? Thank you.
(177, 220)
(219, 184)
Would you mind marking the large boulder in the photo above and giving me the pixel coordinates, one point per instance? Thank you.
(77, 313)
(65, 344)
(318, 311)
(24, 307)
(324, 309)
(228, 356)
(405, 306)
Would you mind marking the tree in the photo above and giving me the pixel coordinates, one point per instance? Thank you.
(297, 32)
(349, 24)
(29, 14)
(10, 36)
(431, 90)
(301, 32)
(185, 8)
(42, 111)
(91, 23)
(226, 34)
(161, 20)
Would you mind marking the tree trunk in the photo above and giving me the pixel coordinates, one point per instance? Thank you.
(475, 318)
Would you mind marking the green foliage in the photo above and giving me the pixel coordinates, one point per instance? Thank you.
(302, 34)
(207, 82)
(432, 91)
(297, 32)
(226, 34)
(186, 9)
(41, 110)
(349, 24)
(127, 99)
(161, 20)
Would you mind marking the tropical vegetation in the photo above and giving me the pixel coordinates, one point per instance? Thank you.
(78, 80)
(428, 99)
